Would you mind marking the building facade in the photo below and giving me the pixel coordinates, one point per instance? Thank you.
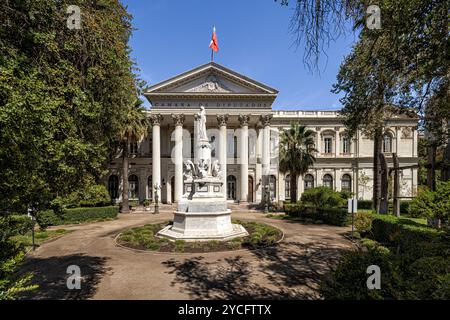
(244, 134)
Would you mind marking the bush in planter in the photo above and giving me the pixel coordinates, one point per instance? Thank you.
(147, 202)
(322, 197)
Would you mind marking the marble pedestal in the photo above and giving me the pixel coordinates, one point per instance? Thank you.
(202, 214)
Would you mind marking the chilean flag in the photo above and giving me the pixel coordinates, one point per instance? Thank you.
(214, 45)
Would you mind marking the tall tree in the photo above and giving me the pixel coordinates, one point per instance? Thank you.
(63, 93)
(134, 126)
(296, 153)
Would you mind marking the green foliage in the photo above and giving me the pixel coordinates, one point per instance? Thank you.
(345, 194)
(76, 215)
(147, 202)
(414, 261)
(363, 222)
(322, 197)
(365, 204)
(332, 216)
(63, 96)
(296, 153)
(92, 195)
(11, 256)
(432, 204)
(144, 237)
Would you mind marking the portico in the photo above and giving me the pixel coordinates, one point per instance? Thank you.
(236, 108)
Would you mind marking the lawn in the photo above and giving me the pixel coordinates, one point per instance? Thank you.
(40, 237)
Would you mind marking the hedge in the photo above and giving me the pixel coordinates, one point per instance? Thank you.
(76, 215)
(414, 260)
(333, 216)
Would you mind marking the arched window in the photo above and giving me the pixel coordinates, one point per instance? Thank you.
(150, 187)
(133, 186)
(346, 183)
(309, 181)
(113, 186)
(387, 142)
(328, 181)
(287, 187)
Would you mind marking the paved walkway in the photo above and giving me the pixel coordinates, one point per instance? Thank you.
(293, 269)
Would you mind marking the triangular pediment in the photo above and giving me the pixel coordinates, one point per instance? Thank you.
(213, 79)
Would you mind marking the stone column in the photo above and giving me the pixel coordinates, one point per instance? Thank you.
(414, 141)
(319, 142)
(155, 120)
(222, 120)
(258, 169)
(244, 119)
(338, 143)
(398, 133)
(337, 179)
(178, 120)
(265, 121)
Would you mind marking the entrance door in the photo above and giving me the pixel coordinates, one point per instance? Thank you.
(250, 189)
(231, 188)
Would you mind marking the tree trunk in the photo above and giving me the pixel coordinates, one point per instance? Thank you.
(431, 167)
(293, 185)
(125, 185)
(384, 184)
(377, 149)
(445, 172)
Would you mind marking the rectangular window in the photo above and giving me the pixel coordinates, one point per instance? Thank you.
(346, 145)
(328, 145)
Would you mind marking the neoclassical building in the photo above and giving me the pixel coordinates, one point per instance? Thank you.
(244, 132)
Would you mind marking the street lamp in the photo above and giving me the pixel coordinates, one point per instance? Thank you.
(31, 215)
(157, 188)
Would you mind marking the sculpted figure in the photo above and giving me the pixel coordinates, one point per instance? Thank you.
(202, 124)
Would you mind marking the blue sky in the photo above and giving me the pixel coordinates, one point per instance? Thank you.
(172, 36)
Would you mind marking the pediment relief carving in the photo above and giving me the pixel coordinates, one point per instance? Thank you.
(212, 84)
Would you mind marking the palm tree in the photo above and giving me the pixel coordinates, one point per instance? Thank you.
(134, 125)
(296, 153)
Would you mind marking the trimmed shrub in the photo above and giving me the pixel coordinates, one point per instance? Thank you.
(349, 280)
(48, 218)
(365, 204)
(333, 216)
(322, 197)
(414, 259)
(363, 222)
(76, 215)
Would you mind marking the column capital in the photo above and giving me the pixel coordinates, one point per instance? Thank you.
(178, 119)
(244, 119)
(265, 119)
(222, 120)
(156, 119)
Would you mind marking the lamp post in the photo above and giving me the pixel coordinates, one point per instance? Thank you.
(31, 214)
(157, 188)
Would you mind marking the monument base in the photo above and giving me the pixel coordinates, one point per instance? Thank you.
(203, 226)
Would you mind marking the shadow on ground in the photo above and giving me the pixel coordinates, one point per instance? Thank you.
(288, 271)
(50, 274)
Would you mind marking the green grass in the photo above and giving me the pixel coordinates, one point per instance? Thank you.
(40, 237)
(260, 235)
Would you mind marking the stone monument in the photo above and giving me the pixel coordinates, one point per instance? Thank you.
(202, 213)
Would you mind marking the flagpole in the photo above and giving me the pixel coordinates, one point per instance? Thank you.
(212, 55)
